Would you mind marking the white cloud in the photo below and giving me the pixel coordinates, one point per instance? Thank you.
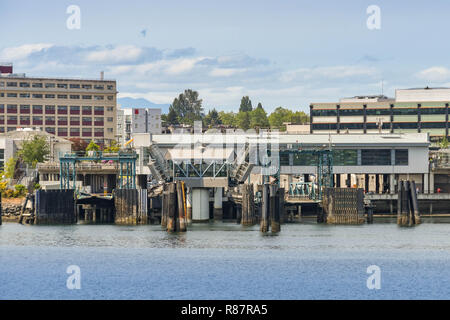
(115, 55)
(332, 72)
(437, 74)
(225, 72)
(22, 52)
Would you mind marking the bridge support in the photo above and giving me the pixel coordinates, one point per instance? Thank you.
(200, 204)
(218, 209)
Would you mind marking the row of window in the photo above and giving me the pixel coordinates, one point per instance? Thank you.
(52, 118)
(26, 95)
(50, 85)
(85, 132)
(386, 125)
(377, 112)
(25, 108)
(349, 157)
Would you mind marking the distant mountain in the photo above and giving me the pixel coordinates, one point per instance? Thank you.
(141, 103)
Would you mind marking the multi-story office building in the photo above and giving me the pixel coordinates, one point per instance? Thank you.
(137, 120)
(412, 110)
(67, 108)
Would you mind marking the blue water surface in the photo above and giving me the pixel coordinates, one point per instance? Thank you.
(225, 261)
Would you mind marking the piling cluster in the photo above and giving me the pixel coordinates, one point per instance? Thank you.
(55, 207)
(407, 205)
(270, 208)
(173, 216)
(248, 217)
(343, 206)
(131, 206)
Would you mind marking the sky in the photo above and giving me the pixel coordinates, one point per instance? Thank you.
(280, 53)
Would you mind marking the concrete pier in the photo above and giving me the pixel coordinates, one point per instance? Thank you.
(200, 204)
(218, 204)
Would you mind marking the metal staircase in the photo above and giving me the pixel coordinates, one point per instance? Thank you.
(157, 164)
(241, 167)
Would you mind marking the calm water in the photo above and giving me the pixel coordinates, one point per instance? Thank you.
(225, 261)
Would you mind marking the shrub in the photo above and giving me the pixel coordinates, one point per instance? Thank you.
(21, 190)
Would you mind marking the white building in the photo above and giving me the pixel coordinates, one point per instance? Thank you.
(137, 120)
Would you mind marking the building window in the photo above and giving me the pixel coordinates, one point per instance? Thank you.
(25, 95)
(404, 111)
(99, 97)
(50, 109)
(24, 84)
(74, 96)
(87, 97)
(37, 85)
(50, 85)
(49, 96)
(401, 157)
(74, 86)
(37, 109)
(62, 109)
(86, 86)
(346, 157)
(110, 130)
(324, 113)
(378, 112)
(110, 87)
(375, 157)
(24, 108)
(405, 125)
(87, 110)
(350, 126)
(11, 84)
(11, 95)
(11, 108)
(433, 125)
(37, 96)
(324, 126)
(110, 109)
(62, 96)
(351, 112)
(432, 110)
(99, 87)
(284, 159)
(110, 119)
(305, 159)
(62, 86)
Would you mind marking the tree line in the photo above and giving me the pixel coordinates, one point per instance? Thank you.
(187, 108)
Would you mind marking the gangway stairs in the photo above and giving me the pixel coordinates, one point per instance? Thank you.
(242, 166)
(158, 165)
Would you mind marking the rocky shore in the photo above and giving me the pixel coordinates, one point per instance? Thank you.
(11, 209)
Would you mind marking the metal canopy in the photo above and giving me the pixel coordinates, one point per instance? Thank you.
(126, 160)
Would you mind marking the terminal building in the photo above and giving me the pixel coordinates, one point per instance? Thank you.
(411, 111)
(67, 108)
(374, 162)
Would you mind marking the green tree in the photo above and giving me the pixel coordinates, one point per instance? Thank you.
(93, 146)
(212, 118)
(10, 167)
(34, 150)
(246, 105)
(171, 118)
(227, 118)
(443, 144)
(258, 118)
(278, 117)
(243, 120)
(113, 147)
(187, 107)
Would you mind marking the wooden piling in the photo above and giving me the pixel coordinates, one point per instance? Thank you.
(275, 208)
(265, 212)
(415, 203)
(172, 205)
(181, 221)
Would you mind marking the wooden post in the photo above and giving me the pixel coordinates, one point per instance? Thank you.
(181, 221)
(275, 208)
(172, 205)
(264, 225)
(415, 203)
